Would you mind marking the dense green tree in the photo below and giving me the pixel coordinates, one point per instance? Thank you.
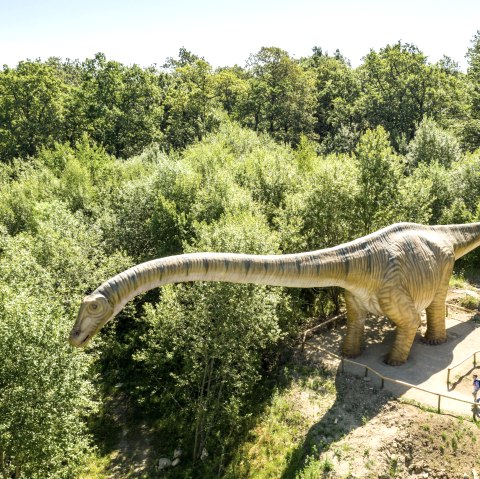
(399, 88)
(44, 388)
(378, 174)
(320, 213)
(441, 194)
(32, 108)
(231, 88)
(432, 144)
(44, 393)
(415, 198)
(471, 129)
(281, 98)
(192, 349)
(337, 91)
(190, 103)
(473, 56)
(120, 107)
(465, 180)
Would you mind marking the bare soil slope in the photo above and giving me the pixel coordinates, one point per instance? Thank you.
(399, 440)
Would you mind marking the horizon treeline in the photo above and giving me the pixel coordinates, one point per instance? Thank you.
(104, 166)
(126, 108)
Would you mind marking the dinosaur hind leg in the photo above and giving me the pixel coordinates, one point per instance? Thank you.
(356, 314)
(400, 308)
(436, 329)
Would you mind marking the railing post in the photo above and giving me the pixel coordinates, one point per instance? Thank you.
(366, 371)
(438, 407)
(383, 383)
(475, 360)
(448, 378)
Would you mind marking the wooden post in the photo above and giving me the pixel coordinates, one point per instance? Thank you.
(438, 408)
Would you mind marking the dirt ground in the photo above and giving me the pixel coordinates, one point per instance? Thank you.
(385, 438)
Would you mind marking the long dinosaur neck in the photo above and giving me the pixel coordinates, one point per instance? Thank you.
(315, 269)
(464, 237)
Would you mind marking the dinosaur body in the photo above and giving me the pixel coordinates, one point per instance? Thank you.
(398, 272)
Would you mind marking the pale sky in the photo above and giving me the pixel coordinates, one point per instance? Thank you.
(226, 32)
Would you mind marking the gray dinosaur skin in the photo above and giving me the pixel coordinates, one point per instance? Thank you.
(398, 272)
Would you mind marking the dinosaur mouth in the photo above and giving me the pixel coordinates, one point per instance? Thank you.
(84, 342)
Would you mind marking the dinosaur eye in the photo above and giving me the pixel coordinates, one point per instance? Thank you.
(94, 306)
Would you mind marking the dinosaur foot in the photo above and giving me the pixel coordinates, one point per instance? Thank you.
(351, 354)
(433, 341)
(393, 362)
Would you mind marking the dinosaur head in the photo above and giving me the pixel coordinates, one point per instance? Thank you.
(95, 311)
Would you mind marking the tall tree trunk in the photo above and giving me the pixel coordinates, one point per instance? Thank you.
(2, 464)
(201, 409)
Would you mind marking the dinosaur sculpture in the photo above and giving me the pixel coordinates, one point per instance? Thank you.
(397, 271)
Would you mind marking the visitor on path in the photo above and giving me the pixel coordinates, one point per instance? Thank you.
(476, 386)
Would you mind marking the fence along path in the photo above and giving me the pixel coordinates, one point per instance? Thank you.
(424, 377)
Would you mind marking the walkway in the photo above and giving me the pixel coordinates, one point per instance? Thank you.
(427, 365)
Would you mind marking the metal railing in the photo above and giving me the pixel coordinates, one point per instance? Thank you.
(401, 383)
(322, 325)
(459, 363)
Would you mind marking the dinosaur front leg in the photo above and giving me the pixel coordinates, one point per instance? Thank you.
(403, 342)
(401, 310)
(356, 314)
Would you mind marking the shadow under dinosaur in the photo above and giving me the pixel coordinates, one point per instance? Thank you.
(398, 272)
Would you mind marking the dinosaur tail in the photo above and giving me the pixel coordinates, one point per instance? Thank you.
(464, 237)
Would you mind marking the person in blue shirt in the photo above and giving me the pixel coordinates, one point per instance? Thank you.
(476, 386)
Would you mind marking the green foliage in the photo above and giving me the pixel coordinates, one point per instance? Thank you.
(127, 108)
(338, 89)
(44, 392)
(465, 177)
(399, 88)
(32, 108)
(320, 213)
(281, 98)
(47, 263)
(120, 107)
(431, 144)
(473, 56)
(190, 102)
(104, 165)
(415, 197)
(192, 348)
(378, 174)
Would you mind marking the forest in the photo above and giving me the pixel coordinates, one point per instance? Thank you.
(104, 166)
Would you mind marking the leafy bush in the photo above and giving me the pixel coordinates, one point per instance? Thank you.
(205, 343)
(431, 144)
(44, 391)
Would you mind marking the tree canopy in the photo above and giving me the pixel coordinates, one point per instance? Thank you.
(104, 165)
